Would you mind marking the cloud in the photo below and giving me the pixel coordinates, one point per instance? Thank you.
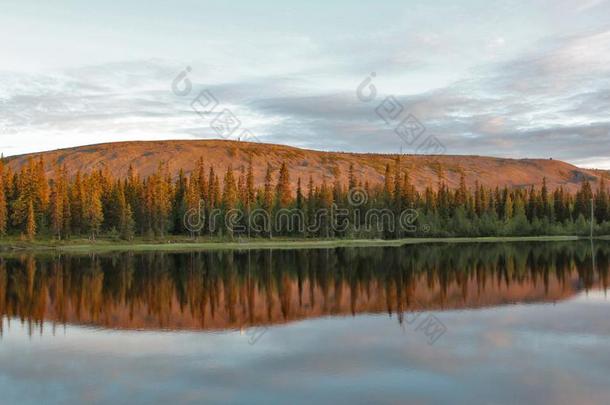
(550, 100)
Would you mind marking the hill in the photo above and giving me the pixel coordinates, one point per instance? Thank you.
(145, 157)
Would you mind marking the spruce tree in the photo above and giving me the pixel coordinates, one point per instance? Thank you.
(30, 229)
(283, 195)
(3, 203)
(268, 190)
(250, 192)
(57, 204)
(601, 201)
(126, 220)
(229, 192)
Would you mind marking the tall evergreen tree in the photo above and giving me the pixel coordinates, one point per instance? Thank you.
(602, 204)
(58, 194)
(3, 203)
(229, 192)
(250, 192)
(268, 189)
(283, 195)
(126, 224)
(30, 229)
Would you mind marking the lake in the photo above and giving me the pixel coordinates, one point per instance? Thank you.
(496, 323)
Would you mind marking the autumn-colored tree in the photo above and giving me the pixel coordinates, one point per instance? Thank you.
(25, 196)
(41, 187)
(242, 192)
(397, 196)
(30, 229)
(96, 203)
(201, 181)
(268, 189)
(461, 192)
(214, 194)
(93, 214)
(3, 204)
(582, 205)
(126, 223)
(282, 190)
(160, 191)
(179, 203)
(59, 199)
(602, 203)
(251, 194)
(388, 183)
(77, 206)
(508, 208)
(229, 192)
(326, 201)
(299, 198)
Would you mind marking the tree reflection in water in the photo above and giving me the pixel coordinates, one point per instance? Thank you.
(236, 289)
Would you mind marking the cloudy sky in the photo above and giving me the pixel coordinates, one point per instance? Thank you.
(503, 78)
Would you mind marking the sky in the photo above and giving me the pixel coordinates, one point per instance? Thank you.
(504, 78)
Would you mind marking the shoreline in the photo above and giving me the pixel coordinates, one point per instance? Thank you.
(85, 246)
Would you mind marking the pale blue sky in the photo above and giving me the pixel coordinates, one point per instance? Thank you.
(503, 78)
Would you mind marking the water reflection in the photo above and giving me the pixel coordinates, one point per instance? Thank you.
(239, 289)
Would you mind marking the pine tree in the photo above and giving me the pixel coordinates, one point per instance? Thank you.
(135, 198)
(251, 195)
(194, 198)
(217, 193)
(93, 213)
(212, 188)
(267, 191)
(126, 220)
(283, 195)
(544, 203)
(77, 199)
(299, 198)
(388, 188)
(179, 203)
(583, 200)
(397, 186)
(58, 193)
(162, 191)
(337, 189)
(601, 201)
(229, 192)
(242, 192)
(202, 181)
(30, 229)
(508, 208)
(478, 199)
(3, 203)
(41, 186)
(461, 192)
(311, 201)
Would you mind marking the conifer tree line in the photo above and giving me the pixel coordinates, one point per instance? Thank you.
(95, 204)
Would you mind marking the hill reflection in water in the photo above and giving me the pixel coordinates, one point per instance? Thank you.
(237, 289)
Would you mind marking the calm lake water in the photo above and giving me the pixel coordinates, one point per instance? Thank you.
(464, 323)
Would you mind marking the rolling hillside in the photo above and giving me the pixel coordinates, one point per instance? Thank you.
(146, 157)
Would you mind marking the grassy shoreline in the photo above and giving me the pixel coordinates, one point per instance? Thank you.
(177, 245)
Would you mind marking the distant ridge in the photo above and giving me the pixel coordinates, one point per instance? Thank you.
(145, 156)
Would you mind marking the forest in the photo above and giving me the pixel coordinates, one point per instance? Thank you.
(92, 205)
